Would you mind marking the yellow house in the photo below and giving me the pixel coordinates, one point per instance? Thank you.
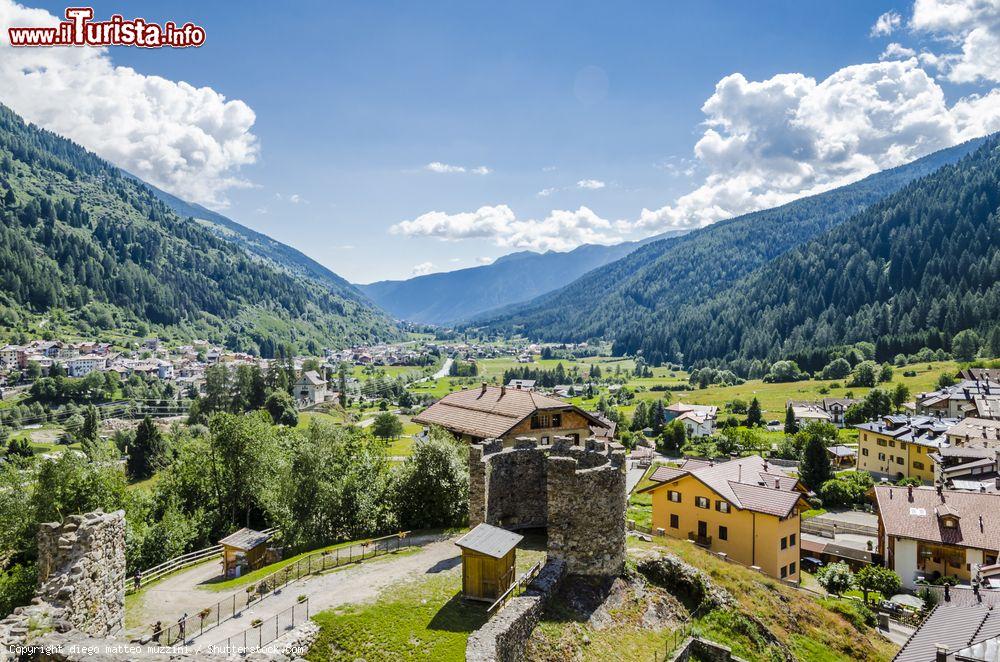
(744, 508)
(901, 446)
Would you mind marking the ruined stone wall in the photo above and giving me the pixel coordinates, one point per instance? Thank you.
(577, 492)
(503, 638)
(587, 514)
(81, 581)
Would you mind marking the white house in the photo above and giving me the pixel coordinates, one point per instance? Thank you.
(81, 366)
(310, 388)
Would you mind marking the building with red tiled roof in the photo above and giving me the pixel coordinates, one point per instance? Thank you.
(745, 508)
(930, 533)
(498, 412)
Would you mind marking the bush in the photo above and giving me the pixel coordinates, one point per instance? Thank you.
(835, 578)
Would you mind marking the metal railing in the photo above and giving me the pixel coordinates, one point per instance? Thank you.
(209, 618)
(516, 588)
(262, 633)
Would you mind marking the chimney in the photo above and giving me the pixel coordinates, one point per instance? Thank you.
(484, 388)
(947, 592)
(981, 529)
(503, 391)
(909, 492)
(941, 654)
(777, 483)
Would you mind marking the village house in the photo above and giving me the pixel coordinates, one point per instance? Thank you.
(310, 388)
(81, 366)
(498, 412)
(928, 533)
(955, 633)
(745, 508)
(827, 410)
(522, 384)
(9, 355)
(698, 420)
(960, 400)
(900, 446)
(972, 459)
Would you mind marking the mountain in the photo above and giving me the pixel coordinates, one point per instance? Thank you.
(453, 296)
(264, 247)
(911, 271)
(626, 299)
(87, 249)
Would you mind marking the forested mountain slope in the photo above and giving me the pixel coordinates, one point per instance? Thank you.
(261, 245)
(626, 295)
(453, 296)
(85, 243)
(909, 272)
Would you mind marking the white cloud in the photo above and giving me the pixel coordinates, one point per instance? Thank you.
(485, 260)
(545, 192)
(560, 230)
(423, 269)
(295, 199)
(896, 51)
(445, 168)
(886, 24)
(972, 25)
(190, 141)
(590, 184)
(769, 142)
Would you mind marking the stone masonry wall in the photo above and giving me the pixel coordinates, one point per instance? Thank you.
(504, 637)
(81, 581)
(81, 570)
(577, 492)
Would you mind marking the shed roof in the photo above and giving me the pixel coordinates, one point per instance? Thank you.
(490, 540)
(245, 539)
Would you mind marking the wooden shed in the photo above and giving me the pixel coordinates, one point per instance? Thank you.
(243, 551)
(488, 562)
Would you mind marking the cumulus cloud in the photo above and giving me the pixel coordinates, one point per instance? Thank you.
(886, 24)
(560, 230)
(590, 184)
(190, 141)
(545, 192)
(445, 168)
(423, 269)
(296, 199)
(896, 51)
(769, 142)
(971, 25)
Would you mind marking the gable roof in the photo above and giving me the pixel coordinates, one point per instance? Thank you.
(491, 411)
(489, 540)
(957, 628)
(312, 378)
(749, 483)
(245, 539)
(919, 517)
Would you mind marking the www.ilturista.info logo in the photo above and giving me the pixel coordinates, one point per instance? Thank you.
(80, 30)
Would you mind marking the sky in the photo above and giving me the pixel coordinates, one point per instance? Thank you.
(392, 139)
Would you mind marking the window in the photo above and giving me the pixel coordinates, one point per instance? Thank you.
(545, 441)
(702, 502)
(881, 456)
(784, 572)
(899, 460)
(881, 442)
(784, 543)
(539, 421)
(674, 496)
(791, 540)
(791, 568)
(892, 444)
(723, 533)
(557, 420)
(675, 522)
(918, 465)
(722, 506)
(864, 451)
(902, 445)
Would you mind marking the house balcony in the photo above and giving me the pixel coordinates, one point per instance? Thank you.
(701, 541)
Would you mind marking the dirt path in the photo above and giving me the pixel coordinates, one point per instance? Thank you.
(355, 583)
(168, 599)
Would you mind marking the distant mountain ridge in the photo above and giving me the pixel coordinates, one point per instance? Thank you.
(452, 296)
(80, 236)
(632, 295)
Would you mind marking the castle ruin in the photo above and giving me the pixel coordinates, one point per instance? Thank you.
(576, 492)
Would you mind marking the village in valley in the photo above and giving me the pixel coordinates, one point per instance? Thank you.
(876, 486)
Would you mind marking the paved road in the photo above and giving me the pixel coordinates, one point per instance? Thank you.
(356, 583)
(633, 477)
(445, 369)
(897, 633)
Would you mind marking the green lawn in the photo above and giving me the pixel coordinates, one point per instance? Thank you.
(423, 619)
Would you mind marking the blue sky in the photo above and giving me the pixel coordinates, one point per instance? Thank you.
(569, 106)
